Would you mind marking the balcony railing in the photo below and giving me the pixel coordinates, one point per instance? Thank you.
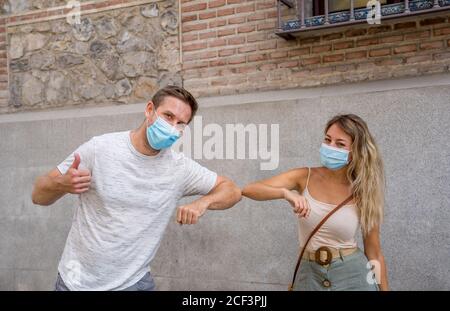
(291, 28)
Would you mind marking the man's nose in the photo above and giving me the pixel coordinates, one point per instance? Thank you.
(173, 123)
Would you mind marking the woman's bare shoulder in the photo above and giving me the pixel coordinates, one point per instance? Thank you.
(301, 175)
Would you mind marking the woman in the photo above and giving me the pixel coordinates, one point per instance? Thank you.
(352, 166)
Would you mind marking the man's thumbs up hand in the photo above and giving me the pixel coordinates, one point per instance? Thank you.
(75, 180)
(76, 161)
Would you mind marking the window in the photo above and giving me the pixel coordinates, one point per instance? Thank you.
(341, 5)
(319, 14)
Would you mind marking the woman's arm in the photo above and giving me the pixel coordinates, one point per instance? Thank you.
(279, 187)
(372, 249)
(275, 187)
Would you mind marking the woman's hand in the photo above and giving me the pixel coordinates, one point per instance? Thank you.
(298, 202)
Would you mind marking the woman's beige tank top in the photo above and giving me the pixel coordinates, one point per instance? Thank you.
(339, 231)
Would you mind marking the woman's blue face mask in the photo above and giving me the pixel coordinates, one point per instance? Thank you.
(333, 158)
(161, 134)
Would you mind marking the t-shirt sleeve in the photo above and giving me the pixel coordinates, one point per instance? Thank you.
(86, 152)
(198, 180)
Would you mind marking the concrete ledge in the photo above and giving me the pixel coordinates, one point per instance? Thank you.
(249, 98)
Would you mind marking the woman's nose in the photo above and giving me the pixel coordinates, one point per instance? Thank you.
(332, 144)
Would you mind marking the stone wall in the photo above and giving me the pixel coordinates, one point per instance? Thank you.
(112, 57)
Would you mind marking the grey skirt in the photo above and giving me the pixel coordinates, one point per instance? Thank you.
(349, 273)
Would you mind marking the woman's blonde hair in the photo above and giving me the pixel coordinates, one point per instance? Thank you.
(365, 170)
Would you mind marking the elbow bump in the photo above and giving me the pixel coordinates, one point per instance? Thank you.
(238, 194)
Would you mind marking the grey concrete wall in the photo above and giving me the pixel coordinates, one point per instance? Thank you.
(253, 245)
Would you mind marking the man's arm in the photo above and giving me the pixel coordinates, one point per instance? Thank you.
(52, 186)
(224, 195)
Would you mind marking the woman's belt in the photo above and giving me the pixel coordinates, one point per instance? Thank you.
(324, 255)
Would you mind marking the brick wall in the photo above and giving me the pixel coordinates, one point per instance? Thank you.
(229, 46)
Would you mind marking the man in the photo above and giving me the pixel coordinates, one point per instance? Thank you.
(128, 185)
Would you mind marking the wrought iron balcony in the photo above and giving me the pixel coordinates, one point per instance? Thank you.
(291, 28)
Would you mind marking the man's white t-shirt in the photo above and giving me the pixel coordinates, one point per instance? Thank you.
(118, 224)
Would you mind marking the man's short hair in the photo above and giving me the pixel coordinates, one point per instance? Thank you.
(177, 92)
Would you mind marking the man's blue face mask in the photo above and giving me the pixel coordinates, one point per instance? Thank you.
(161, 134)
(332, 157)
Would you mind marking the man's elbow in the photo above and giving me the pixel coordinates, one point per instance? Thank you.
(41, 203)
(236, 192)
(36, 200)
(34, 195)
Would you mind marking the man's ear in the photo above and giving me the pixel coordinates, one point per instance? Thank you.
(149, 106)
(149, 109)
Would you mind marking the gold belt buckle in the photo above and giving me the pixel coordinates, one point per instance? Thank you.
(329, 256)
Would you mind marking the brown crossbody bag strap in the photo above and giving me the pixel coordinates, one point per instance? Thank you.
(314, 232)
